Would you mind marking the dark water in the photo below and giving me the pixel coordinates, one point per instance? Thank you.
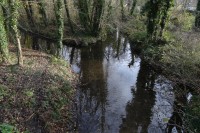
(118, 92)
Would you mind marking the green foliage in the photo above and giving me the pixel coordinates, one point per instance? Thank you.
(157, 17)
(58, 61)
(169, 36)
(181, 58)
(3, 92)
(3, 41)
(151, 52)
(193, 115)
(7, 128)
(29, 98)
(181, 20)
(135, 28)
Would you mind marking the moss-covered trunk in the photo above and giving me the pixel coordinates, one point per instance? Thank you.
(97, 13)
(165, 14)
(5, 15)
(60, 24)
(14, 4)
(90, 19)
(158, 11)
(109, 11)
(84, 15)
(3, 41)
(197, 19)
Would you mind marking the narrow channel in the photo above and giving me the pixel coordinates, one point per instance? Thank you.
(118, 91)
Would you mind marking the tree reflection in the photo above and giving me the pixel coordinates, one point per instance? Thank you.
(138, 116)
(93, 93)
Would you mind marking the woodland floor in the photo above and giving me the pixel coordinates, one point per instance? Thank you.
(37, 97)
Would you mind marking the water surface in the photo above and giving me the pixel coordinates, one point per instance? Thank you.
(118, 91)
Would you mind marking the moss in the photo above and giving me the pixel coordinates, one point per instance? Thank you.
(3, 41)
(3, 92)
(7, 128)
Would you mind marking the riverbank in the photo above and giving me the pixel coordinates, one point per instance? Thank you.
(37, 97)
(177, 57)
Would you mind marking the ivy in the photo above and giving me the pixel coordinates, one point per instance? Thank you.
(157, 17)
(60, 24)
(3, 41)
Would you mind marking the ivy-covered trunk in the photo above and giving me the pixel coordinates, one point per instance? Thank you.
(90, 14)
(97, 13)
(3, 41)
(152, 21)
(164, 15)
(158, 12)
(5, 15)
(84, 14)
(60, 24)
(197, 19)
(109, 11)
(14, 4)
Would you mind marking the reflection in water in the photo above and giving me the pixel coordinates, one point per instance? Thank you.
(118, 92)
(176, 120)
(138, 116)
(92, 95)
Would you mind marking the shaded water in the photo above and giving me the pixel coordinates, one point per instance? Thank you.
(118, 91)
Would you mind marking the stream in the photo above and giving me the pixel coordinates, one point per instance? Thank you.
(118, 91)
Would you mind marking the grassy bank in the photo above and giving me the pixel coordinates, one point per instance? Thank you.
(38, 96)
(177, 56)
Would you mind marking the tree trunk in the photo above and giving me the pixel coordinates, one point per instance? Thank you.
(133, 6)
(42, 11)
(29, 12)
(109, 9)
(157, 16)
(152, 19)
(122, 8)
(84, 15)
(97, 13)
(60, 24)
(3, 41)
(14, 22)
(68, 16)
(5, 15)
(197, 19)
(166, 6)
